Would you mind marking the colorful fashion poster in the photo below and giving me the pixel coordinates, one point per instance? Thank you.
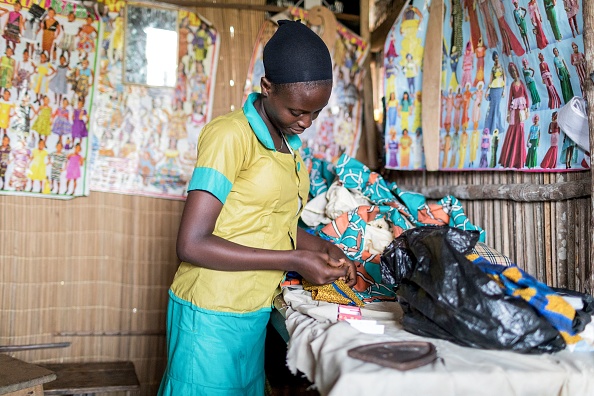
(337, 129)
(508, 68)
(403, 61)
(146, 136)
(47, 71)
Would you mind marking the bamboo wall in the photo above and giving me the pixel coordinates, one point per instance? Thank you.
(95, 271)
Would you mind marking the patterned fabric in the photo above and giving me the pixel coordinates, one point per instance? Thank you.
(336, 292)
(403, 210)
(490, 254)
(321, 173)
(515, 282)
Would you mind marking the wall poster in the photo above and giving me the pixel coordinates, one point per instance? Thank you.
(145, 136)
(403, 60)
(508, 67)
(47, 73)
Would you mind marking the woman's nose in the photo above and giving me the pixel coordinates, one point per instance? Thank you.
(305, 121)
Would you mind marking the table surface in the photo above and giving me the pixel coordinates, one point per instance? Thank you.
(16, 375)
(319, 348)
(92, 378)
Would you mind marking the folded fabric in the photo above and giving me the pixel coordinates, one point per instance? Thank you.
(491, 255)
(336, 292)
(516, 282)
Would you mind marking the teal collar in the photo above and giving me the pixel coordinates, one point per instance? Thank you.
(260, 128)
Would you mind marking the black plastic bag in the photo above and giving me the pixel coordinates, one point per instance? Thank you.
(444, 295)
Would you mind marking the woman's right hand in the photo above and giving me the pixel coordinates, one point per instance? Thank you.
(319, 268)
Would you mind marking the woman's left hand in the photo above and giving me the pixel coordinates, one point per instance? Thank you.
(337, 254)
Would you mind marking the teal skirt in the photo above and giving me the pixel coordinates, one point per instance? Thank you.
(213, 353)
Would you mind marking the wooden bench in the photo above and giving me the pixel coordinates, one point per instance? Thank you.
(90, 378)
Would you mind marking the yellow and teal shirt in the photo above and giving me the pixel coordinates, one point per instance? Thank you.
(263, 192)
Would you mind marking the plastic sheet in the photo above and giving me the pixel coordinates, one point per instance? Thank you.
(444, 295)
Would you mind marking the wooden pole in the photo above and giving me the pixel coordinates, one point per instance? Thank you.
(369, 128)
(251, 7)
(431, 104)
(588, 33)
(520, 192)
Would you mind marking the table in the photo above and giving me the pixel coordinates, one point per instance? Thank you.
(318, 347)
(20, 378)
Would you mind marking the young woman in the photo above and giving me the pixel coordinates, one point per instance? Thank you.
(513, 151)
(536, 20)
(533, 143)
(564, 77)
(495, 92)
(238, 232)
(547, 79)
(578, 60)
(528, 72)
(550, 159)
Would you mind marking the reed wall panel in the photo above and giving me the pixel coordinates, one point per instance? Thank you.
(95, 271)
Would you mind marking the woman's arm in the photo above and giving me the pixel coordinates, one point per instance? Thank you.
(196, 244)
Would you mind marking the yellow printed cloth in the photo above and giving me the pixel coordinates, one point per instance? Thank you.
(515, 282)
(337, 292)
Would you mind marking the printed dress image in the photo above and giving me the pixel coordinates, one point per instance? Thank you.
(529, 56)
(403, 60)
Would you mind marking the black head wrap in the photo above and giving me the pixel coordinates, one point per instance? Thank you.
(296, 54)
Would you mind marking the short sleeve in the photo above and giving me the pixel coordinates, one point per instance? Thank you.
(221, 153)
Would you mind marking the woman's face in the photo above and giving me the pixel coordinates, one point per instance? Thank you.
(555, 51)
(292, 108)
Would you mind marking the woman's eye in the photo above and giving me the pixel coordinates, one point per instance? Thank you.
(295, 113)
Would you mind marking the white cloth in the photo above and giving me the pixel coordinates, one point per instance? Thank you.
(341, 200)
(377, 236)
(573, 120)
(319, 344)
(314, 212)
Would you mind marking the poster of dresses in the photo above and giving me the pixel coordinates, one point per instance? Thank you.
(47, 71)
(403, 61)
(508, 67)
(145, 137)
(337, 129)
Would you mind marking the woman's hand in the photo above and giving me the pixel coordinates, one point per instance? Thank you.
(319, 268)
(337, 254)
(332, 256)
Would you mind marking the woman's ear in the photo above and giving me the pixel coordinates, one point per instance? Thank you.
(265, 86)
